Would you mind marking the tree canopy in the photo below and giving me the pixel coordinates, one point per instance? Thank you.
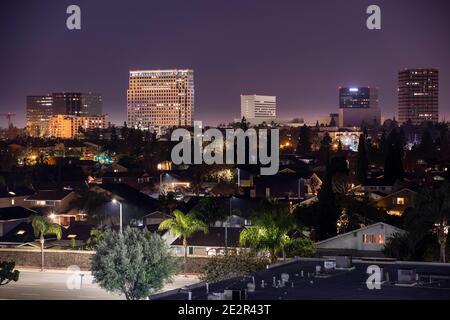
(136, 263)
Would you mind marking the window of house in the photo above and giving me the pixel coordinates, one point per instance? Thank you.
(400, 201)
(191, 250)
(373, 238)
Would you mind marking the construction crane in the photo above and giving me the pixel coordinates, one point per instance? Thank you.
(8, 115)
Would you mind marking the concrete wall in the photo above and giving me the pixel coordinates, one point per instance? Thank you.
(61, 259)
(54, 259)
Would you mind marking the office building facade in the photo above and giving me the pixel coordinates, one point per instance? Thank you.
(77, 104)
(258, 106)
(160, 98)
(39, 110)
(418, 95)
(69, 127)
(358, 106)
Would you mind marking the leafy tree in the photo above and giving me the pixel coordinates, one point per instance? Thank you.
(362, 159)
(224, 188)
(400, 246)
(301, 247)
(210, 210)
(167, 202)
(91, 203)
(228, 266)
(7, 272)
(42, 226)
(95, 236)
(325, 147)
(304, 141)
(136, 263)
(244, 125)
(393, 166)
(444, 143)
(434, 205)
(426, 146)
(184, 226)
(328, 210)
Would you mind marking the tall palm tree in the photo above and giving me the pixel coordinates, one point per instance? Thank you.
(434, 204)
(42, 226)
(183, 226)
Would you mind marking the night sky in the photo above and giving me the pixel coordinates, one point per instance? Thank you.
(299, 50)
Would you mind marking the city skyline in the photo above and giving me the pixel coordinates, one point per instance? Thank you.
(229, 54)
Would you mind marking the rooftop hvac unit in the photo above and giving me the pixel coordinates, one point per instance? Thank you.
(406, 276)
(216, 296)
(235, 294)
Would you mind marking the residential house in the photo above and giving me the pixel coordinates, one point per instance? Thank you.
(10, 217)
(137, 180)
(382, 185)
(396, 202)
(14, 197)
(51, 201)
(135, 204)
(210, 244)
(369, 238)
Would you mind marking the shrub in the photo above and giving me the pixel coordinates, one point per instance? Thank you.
(301, 247)
(232, 265)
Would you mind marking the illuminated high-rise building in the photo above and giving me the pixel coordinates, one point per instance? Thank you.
(40, 109)
(418, 95)
(38, 113)
(77, 103)
(160, 98)
(358, 106)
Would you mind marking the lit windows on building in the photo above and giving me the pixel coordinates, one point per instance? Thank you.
(418, 95)
(160, 98)
(373, 238)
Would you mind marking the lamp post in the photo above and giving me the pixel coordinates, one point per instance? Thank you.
(227, 223)
(120, 213)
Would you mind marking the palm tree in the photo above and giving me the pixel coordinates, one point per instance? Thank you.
(268, 234)
(184, 226)
(434, 204)
(42, 227)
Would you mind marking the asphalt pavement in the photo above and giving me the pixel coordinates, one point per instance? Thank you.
(61, 285)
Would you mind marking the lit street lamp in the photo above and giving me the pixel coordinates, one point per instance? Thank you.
(120, 213)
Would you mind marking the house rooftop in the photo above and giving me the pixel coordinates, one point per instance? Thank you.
(16, 192)
(214, 238)
(348, 285)
(13, 213)
(49, 195)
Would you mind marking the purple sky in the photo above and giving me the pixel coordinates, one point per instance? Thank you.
(300, 51)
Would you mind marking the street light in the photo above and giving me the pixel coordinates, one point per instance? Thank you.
(120, 213)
